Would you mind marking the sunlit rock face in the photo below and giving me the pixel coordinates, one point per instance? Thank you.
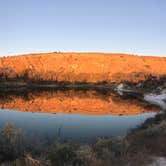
(75, 102)
(82, 67)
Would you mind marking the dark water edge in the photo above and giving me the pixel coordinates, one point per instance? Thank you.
(54, 85)
(151, 82)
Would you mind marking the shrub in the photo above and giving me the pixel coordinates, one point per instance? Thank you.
(63, 155)
(109, 148)
(11, 143)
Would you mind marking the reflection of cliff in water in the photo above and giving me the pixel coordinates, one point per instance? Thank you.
(74, 102)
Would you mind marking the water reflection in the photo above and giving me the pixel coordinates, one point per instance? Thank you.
(71, 115)
(74, 102)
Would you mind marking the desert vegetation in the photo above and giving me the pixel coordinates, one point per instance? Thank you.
(81, 67)
(138, 147)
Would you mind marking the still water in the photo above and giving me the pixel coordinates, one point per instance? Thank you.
(76, 116)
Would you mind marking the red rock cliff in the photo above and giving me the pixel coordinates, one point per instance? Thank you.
(80, 67)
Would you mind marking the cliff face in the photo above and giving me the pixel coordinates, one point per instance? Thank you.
(82, 67)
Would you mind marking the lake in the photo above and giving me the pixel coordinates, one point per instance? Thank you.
(74, 116)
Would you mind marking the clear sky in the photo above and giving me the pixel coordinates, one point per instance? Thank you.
(126, 26)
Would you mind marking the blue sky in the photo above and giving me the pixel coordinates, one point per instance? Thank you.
(126, 26)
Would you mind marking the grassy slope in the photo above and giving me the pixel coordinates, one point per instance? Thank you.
(82, 67)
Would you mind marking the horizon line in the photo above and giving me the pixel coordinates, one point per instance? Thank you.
(81, 52)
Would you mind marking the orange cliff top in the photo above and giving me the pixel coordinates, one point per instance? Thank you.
(75, 102)
(83, 67)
